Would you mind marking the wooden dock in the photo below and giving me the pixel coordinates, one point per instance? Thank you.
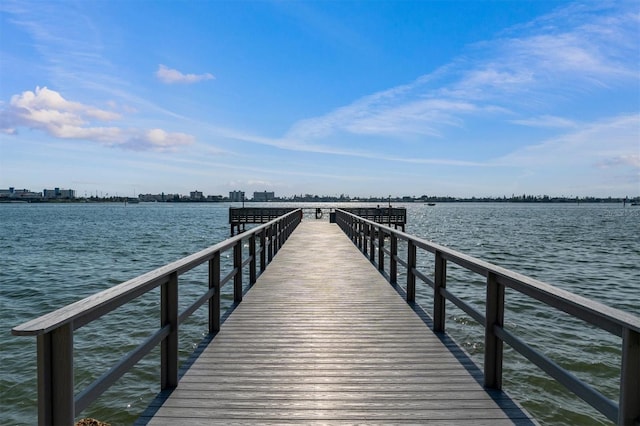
(322, 337)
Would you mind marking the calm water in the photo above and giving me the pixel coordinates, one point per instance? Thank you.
(54, 254)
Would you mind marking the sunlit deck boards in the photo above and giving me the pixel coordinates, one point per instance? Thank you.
(323, 338)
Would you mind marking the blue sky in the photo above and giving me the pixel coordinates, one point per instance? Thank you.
(365, 98)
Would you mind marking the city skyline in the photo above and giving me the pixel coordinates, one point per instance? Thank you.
(459, 99)
(238, 196)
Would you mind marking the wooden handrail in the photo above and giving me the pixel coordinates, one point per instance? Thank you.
(623, 324)
(57, 403)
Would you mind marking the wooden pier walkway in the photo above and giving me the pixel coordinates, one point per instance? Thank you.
(323, 338)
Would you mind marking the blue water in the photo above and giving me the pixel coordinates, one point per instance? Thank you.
(55, 254)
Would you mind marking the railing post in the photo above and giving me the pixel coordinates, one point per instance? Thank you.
(169, 346)
(363, 246)
(353, 225)
(367, 238)
(494, 317)
(360, 226)
(56, 404)
(263, 250)
(393, 262)
(348, 223)
(380, 249)
(411, 277)
(372, 243)
(439, 301)
(214, 302)
(278, 236)
(629, 404)
(270, 239)
(252, 262)
(237, 265)
(365, 235)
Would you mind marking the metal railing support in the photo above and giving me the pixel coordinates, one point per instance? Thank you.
(270, 240)
(393, 260)
(372, 243)
(252, 262)
(411, 276)
(214, 302)
(56, 404)
(263, 249)
(380, 249)
(355, 228)
(629, 406)
(169, 346)
(439, 300)
(237, 279)
(494, 317)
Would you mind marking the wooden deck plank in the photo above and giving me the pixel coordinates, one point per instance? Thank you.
(322, 337)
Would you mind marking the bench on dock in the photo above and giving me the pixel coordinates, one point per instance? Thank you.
(322, 336)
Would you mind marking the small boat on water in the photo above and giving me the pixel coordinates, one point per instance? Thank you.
(431, 204)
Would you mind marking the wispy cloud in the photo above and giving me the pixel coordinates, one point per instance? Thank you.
(562, 56)
(69, 43)
(546, 121)
(48, 111)
(607, 143)
(173, 76)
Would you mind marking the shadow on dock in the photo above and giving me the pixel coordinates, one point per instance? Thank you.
(500, 397)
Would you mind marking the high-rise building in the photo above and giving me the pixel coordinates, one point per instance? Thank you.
(263, 196)
(59, 193)
(236, 196)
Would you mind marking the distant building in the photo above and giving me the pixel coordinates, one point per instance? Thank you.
(57, 193)
(19, 194)
(196, 195)
(155, 197)
(263, 196)
(7, 193)
(236, 196)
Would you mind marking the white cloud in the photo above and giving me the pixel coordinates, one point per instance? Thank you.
(171, 76)
(621, 160)
(614, 142)
(49, 111)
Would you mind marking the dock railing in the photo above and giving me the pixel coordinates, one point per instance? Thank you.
(241, 216)
(371, 238)
(57, 403)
